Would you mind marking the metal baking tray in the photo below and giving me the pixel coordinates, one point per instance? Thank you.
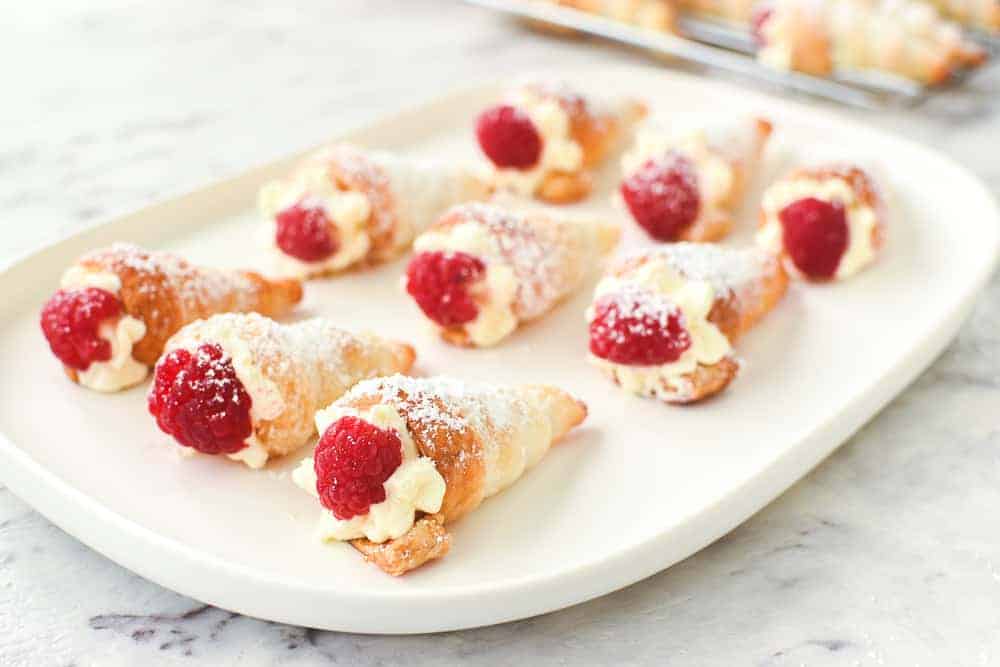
(728, 48)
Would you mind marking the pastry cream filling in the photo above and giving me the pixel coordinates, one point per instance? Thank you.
(495, 294)
(861, 218)
(713, 171)
(349, 212)
(560, 152)
(121, 370)
(694, 299)
(266, 400)
(415, 485)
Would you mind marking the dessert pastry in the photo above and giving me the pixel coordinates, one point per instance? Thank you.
(245, 386)
(906, 38)
(827, 223)
(982, 14)
(482, 269)
(544, 139)
(659, 15)
(682, 182)
(733, 11)
(118, 306)
(400, 458)
(345, 205)
(663, 322)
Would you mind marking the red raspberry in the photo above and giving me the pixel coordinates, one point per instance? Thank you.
(815, 236)
(638, 328)
(663, 196)
(305, 232)
(70, 321)
(761, 15)
(198, 399)
(509, 138)
(440, 282)
(352, 461)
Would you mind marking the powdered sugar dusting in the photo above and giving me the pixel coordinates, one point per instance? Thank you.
(643, 312)
(725, 269)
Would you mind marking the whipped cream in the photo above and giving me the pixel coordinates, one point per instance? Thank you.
(349, 211)
(266, 400)
(495, 294)
(416, 485)
(560, 152)
(694, 299)
(861, 219)
(123, 332)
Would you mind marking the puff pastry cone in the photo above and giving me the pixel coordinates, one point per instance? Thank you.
(907, 38)
(826, 222)
(483, 269)
(344, 206)
(245, 386)
(659, 15)
(663, 322)
(117, 307)
(544, 139)
(401, 458)
(981, 14)
(681, 181)
(733, 11)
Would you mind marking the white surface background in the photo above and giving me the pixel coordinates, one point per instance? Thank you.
(887, 554)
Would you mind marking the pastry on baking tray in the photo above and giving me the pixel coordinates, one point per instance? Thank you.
(663, 322)
(681, 181)
(982, 14)
(400, 458)
(483, 269)
(119, 305)
(907, 38)
(247, 387)
(659, 15)
(826, 222)
(543, 139)
(345, 205)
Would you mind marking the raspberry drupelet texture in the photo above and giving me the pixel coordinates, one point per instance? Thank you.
(815, 235)
(509, 138)
(70, 321)
(198, 399)
(352, 461)
(663, 196)
(638, 328)
(439, 282)
(758, 19)
(305, 232)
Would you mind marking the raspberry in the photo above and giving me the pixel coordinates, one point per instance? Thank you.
(815, 236)
(637, 328)
(761, 15)
(352, 461)
(439, 283)
(304, 232)
(509, 137)
(663, 196)
(198, 399)
(70, 321)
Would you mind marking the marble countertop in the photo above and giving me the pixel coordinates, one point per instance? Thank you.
(888, 553)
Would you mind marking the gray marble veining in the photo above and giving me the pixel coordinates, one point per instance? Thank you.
(888, 553)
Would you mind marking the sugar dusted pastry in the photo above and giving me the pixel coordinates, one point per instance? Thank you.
(827, 223)
(118, 306)
(982, 14)
(682, 180)
(483, 269)
(906, 38)
(663, 322)
(733, 11)
(544, 139)
(345, 206)
(400, 458)
(246, 386)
